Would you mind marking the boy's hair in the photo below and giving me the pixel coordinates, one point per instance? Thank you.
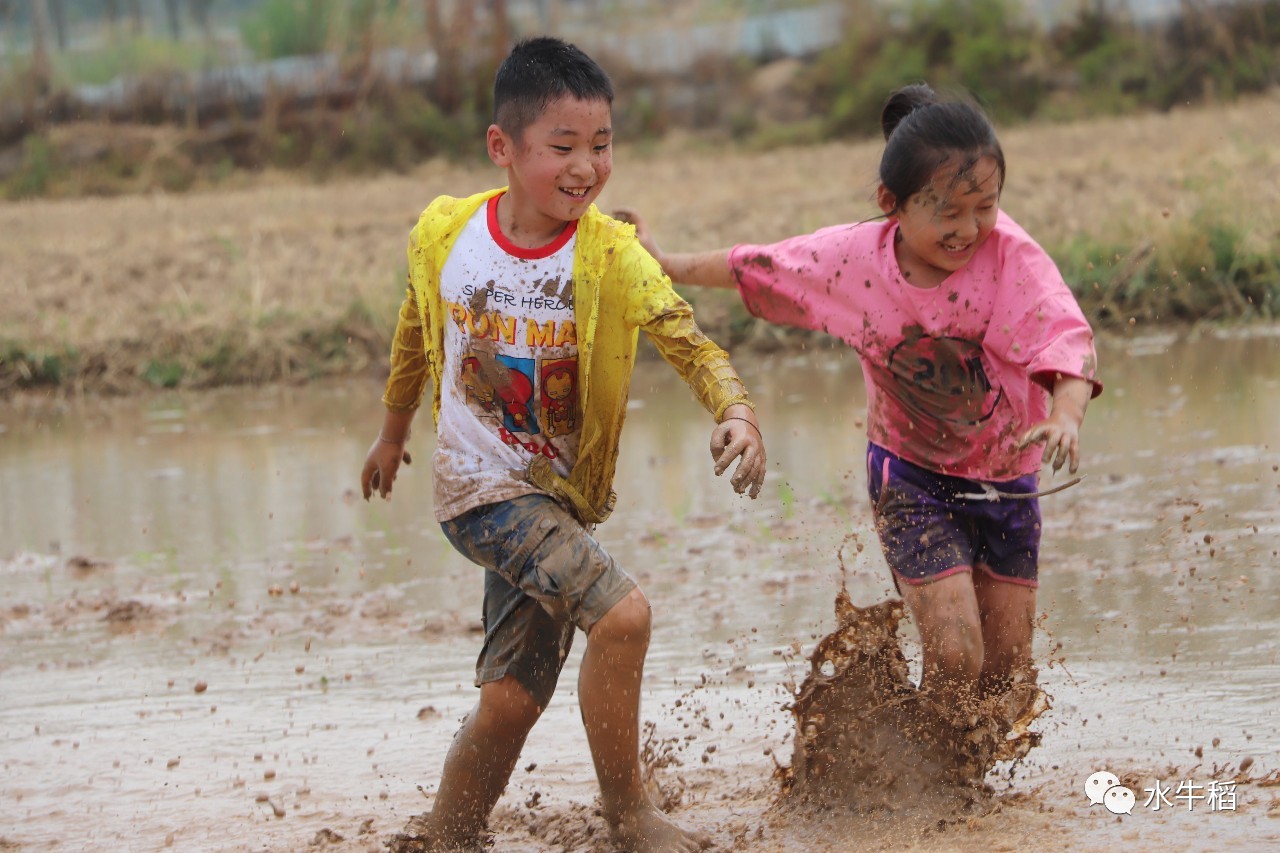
(539, 71)
(923, 132)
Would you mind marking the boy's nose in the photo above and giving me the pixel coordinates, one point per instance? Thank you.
(580, 167)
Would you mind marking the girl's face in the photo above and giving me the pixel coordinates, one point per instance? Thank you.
(941, 226)
(558, 167)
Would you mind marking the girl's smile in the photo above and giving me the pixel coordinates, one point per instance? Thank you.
(941, 226)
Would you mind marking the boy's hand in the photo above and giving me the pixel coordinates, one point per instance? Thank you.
(381, 466)
(737, 436)
(643, 234)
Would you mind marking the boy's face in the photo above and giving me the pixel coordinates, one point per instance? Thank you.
(559, 165)
(943, 225)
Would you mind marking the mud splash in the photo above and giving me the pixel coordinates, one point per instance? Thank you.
(867, 739)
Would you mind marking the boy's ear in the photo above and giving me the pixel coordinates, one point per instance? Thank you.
(501, 148)
(888, 201)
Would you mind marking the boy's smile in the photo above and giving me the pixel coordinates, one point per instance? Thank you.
(941, 226)
(556, 169)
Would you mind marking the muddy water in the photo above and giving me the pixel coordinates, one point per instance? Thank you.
(210, 643)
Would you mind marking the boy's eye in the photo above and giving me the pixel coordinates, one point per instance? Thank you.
(603, 147)
(563, 149)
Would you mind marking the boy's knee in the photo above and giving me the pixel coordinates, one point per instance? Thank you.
(506, 705)
(628, 620)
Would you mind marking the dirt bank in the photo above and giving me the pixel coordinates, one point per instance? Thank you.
(287, 281)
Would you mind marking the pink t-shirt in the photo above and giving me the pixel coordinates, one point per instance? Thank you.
(956, 373)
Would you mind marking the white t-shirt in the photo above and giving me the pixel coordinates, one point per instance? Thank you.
(510, 381)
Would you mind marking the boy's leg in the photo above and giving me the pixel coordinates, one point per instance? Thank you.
(564, 578)
(478, 766)
(609, 692)
(1008, 613)
(518, 666)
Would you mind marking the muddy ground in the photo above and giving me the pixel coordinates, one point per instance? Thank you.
(180, 692)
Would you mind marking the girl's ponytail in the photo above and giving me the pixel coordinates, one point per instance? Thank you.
(902, 102)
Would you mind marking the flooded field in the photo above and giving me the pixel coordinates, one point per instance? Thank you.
(209, 642)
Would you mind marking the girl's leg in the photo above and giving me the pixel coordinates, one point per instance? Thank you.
(946, 612)
(1008, 611)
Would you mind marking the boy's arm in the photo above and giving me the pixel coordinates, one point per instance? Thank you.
(408, 379)
(403, 395)
(706, 269)
(705, 368)
(382, 463)
(1060, 431)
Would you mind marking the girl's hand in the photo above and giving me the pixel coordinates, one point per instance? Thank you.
(1060, 436)
(643, 234)
(704, 269)
(381, 466)
(1060, 432)
(738, 436)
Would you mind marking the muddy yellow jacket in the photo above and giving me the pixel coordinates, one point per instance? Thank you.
(618, 288)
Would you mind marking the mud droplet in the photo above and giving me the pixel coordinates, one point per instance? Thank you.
(201, 687)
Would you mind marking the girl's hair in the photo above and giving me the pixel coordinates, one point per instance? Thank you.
(539, 71)
(923, 132)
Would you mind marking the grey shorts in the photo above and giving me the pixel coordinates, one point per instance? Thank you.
(545, 575)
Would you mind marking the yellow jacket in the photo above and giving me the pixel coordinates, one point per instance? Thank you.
(618, 288)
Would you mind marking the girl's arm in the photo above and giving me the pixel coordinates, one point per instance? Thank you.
(706, 269)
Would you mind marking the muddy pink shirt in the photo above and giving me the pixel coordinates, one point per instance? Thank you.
(956, 373)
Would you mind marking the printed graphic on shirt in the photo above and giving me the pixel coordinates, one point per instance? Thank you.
(522, 399)
(943, 378)
(560, 395)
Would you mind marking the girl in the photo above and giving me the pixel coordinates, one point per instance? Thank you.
(978, 364)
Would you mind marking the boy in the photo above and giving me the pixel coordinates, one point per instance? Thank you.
(523, 308)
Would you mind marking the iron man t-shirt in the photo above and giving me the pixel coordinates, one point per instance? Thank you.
(510, 381)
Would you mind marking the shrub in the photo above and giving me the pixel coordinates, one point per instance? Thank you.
(281, 28)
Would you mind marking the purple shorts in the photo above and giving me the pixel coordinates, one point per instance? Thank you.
(928, 531)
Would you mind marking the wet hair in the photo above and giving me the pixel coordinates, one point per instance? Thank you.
(538, 72)
(923, 132)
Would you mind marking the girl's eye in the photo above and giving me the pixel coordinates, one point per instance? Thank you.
(563, 149)
(602, 148)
